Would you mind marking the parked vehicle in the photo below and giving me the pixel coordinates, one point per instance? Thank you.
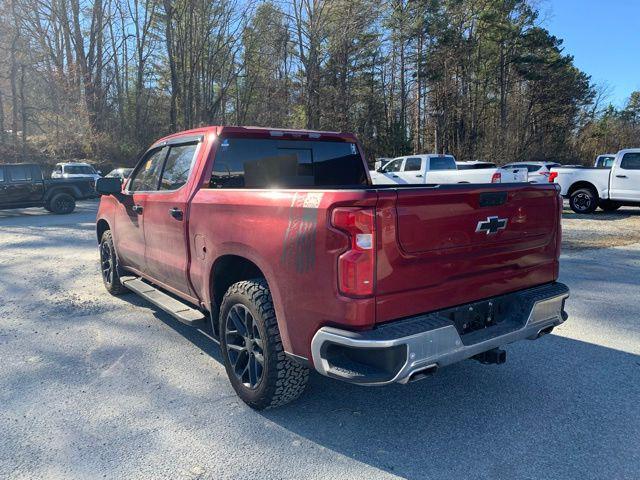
(538, 172)
(279, 238)
(474, 165)
(75, 170)
(120, 173)
(588, 188)
(439, 169)
(23, 185)
(605, 161)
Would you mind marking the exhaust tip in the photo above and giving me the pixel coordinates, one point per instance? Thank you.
(545, 331)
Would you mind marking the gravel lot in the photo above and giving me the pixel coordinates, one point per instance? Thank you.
(96, 386)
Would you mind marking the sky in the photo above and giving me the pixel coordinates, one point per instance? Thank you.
(604, 38)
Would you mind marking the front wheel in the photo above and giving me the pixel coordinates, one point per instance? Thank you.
(62, 203)
(109, 266)
(259, 371)
(583, 200)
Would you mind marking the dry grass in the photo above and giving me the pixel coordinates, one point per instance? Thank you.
(600, 229)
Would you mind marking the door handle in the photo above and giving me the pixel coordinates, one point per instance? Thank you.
(138, 209)
(175, 213)
(394, 176)
(419, 176)
(621, 176)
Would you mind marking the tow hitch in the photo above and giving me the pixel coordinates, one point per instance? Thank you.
(495, 355)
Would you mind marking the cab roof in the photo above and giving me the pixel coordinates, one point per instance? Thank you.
(261, 132)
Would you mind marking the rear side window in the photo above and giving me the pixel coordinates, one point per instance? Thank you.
(1, 174)
(147, 177)
(443, 163)
(413, 165)
(271, 163)
(19, 173)
(533, 168)
(178, 166)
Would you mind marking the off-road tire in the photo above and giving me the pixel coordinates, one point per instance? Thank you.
(584, 200)
(282, 379)
(609, 206)
(108, 253)
(62, 203)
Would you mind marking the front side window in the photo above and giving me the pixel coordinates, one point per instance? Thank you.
(413, 164)
(58, 169)
(271, 163)
(630, 161)
(178, 165)
(393, 166)
(147, 176)
(446, 162)
(19, 173)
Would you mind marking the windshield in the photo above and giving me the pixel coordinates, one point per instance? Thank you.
(79, 170)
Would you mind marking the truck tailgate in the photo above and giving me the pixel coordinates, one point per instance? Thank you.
(448, 245)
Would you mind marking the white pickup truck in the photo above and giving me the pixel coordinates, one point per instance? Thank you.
(439, 169)
(589, 188)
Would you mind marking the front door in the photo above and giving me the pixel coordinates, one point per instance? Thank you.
(625, 178)
(412, 171)
(131, 210)
(165, 213)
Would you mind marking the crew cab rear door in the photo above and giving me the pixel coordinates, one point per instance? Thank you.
(452, 244)
(165, 217)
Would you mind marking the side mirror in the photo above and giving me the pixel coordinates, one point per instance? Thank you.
(109, 185)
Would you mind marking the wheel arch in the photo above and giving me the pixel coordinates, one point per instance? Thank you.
(235, 266)
(583, 184)
(55, 191)
(102, 226)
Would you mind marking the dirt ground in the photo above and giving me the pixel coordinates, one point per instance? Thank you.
(600, 229)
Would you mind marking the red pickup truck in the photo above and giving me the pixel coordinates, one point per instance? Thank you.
(279, 238)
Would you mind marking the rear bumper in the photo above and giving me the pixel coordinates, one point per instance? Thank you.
(404, 350)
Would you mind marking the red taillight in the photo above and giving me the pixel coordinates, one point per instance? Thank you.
(552, 176)
(356, 266)
(496, 178)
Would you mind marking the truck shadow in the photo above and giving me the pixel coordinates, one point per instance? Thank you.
(622, 214)
(558, 408)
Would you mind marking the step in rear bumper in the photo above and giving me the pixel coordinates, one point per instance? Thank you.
(398, 351)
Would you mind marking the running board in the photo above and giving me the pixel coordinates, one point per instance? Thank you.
(180, 311)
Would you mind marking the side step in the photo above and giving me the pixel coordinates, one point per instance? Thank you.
(175, 308)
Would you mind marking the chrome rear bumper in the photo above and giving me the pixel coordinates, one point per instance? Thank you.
(403, 350)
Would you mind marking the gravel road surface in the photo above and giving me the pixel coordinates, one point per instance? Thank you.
(93, 386)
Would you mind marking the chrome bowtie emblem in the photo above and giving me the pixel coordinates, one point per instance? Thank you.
(491, 225)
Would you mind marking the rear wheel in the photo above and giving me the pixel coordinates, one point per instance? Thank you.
(259, 371)
(609, 206)
(583, 200)
(62, 203)
(109, 266)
